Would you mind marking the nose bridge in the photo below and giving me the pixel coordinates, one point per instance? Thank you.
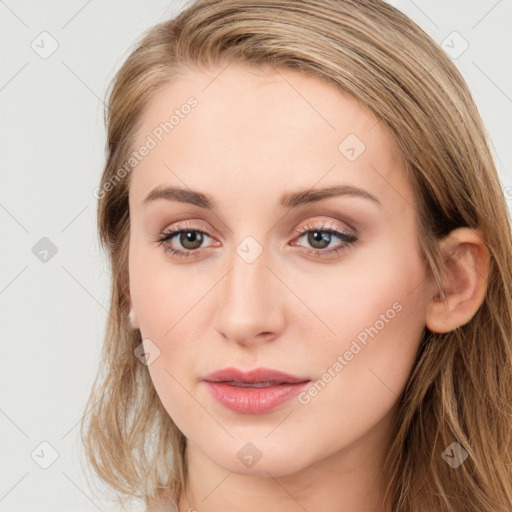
(248, 302)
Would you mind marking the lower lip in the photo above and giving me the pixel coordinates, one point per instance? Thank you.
(248, 400)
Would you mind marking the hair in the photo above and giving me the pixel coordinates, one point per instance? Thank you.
(460, 386)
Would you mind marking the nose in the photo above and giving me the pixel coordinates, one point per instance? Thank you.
(250, 302)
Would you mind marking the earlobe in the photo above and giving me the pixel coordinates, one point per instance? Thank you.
(465, 277)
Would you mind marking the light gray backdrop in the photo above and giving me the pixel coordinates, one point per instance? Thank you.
(56, 61)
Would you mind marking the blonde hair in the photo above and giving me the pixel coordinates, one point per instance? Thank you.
(460, 388)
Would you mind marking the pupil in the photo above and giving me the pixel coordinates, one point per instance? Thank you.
(193, 237)
(318, 237)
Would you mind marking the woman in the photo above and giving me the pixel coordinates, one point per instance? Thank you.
(311, 283)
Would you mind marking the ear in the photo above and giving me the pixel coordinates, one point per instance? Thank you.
(132, 316)
(465, 277)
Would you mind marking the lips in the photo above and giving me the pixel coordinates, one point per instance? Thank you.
(256, 392)
(258, 377)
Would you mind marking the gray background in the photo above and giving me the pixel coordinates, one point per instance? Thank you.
(53, 306)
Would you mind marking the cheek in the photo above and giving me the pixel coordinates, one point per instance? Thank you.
(382, 287)
(377, 313)
(168, 304)
(363, 376)
(379, 317)
(162, 291)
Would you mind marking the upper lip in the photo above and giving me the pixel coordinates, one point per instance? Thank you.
(254, 376)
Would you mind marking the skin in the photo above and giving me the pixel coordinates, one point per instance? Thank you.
(255, 135)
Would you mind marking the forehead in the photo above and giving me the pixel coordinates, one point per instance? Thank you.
(254, 127)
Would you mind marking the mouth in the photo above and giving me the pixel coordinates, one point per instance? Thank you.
(255, 392)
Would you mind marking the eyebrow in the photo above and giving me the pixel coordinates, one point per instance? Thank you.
(290, 200)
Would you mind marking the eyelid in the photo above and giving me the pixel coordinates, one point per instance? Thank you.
(326, 225)
(191, 225)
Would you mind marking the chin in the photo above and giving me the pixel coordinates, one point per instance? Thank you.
(261, 458)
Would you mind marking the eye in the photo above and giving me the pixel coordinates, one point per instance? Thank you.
(321, 236)
(190, 238)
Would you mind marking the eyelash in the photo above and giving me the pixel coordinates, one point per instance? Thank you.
(166, 236)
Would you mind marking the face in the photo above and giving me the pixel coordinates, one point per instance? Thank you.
(262, 270)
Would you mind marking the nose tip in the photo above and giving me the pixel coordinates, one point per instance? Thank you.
(244, 337)
(244, 312)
